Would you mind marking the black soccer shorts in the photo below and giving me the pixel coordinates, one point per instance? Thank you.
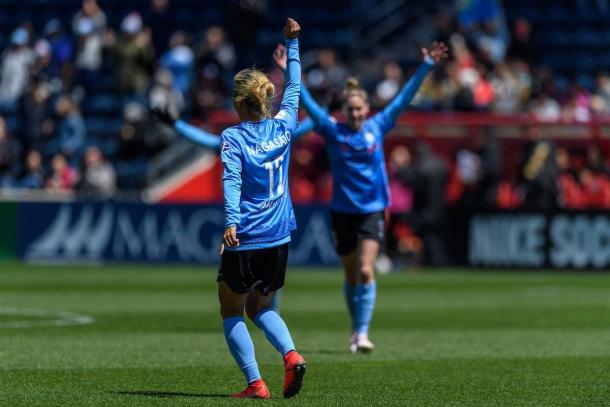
(349, 228)
(263, 269)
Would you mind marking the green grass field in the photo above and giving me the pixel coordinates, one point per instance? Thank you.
(448, 338)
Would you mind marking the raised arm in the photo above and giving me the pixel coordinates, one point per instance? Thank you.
(304, 127)
(197, 135)
(289, 108)
(437, 52)
(318, 114)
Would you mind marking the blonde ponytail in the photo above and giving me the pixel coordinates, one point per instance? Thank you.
(253, 91)
(353, 88)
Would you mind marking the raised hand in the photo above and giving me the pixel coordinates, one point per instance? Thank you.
(437, 52)
(279, 57)
(291, 29)
(163, 115)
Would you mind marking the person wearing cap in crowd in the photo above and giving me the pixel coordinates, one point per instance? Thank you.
(15, 66)
(89, 45)
(89, 48)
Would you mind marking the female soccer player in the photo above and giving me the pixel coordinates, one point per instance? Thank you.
(360, 184)
(212, 142)
(259, 219)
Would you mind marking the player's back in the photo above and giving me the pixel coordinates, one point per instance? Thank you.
(263, 149)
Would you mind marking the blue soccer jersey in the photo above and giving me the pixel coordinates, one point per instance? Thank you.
(360, 181)
(256, 156)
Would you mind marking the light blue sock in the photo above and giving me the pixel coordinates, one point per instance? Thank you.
(275, 302)
(241, 347)
(275, 330)
(349, 291)
(365, 304)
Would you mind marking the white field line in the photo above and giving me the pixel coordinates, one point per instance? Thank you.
(48, 318)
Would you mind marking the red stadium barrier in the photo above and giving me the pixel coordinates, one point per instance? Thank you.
(446, 133)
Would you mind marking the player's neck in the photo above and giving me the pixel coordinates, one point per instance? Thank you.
(250, 117)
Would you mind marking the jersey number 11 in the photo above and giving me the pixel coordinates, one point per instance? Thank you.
(271, 166)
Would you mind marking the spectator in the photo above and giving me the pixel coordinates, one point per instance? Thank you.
(61, 49)
(135, 56)
(401, 242)
(133, 132)
(163, 93)
(507, 89)
(387, 88)
(522, 45)
(448, 86)
(179, 60)
(595, 161)
(92, 11)
(428, 179)
(42, 68)
(600, 102)
(98, 177)
(36, 117)
(484, 25)
(545, 109)
(216, 57)
(89, 26)
(15, 67)
(569, 193)
(595, 188)
(160, 19)
(88, 51)
(575, 110)
(327, 75)
(478, 165)
(63, 178)
(7, 152)
(140, 138)
(33, 175)
(538, 172)
(215, 62)
(71, 130)
(483, 91)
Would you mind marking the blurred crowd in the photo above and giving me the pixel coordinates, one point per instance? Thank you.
(81, 93)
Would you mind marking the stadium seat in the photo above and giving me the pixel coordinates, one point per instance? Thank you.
(106, 104)
(588, 39)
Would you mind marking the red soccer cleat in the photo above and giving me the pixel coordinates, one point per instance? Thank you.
(255, 390)
(295, 370)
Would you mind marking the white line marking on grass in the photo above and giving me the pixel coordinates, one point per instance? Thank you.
(47, 318)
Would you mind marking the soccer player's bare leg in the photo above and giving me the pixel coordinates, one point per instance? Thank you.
(276, 331)
(361, 291)
(240, 344)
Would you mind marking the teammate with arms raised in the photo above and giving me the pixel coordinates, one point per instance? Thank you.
(259, 219)
(360, 184)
